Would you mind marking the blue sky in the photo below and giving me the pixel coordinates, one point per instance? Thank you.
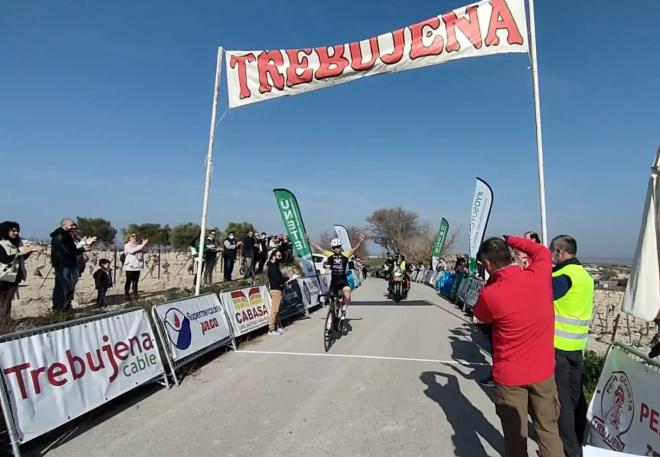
(106, 105)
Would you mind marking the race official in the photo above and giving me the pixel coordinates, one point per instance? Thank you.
(573, 291)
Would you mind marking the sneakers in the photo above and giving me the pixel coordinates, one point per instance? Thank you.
(279, 331)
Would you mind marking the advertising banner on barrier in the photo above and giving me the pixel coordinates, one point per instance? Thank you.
(310, 291)
(292, 219)
(248, 308)
(482, 203)
(58, 375)
(624, 414)
(193, 324)
(292, 300)
(324, 281)
(480, 29)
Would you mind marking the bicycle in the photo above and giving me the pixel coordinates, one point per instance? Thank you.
(334, 324)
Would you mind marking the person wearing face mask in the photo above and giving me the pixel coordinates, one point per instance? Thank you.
(13, 255)
(276, 281)
(519, 304)
(229, 255)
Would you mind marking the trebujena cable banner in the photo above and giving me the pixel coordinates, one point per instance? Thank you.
(480, 29)
(482, 203)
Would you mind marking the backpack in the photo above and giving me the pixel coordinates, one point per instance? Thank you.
(122, 257)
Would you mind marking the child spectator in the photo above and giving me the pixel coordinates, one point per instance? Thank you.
(103, 281)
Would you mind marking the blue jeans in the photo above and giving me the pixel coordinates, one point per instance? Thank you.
(65, 287)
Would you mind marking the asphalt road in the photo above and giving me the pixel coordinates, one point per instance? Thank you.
(401, 383)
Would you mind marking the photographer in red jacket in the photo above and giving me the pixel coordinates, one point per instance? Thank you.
(519, 305)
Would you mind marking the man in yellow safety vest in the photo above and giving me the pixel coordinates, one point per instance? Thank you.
(573, 290)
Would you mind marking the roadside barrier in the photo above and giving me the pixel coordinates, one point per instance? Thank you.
(190, 328)
(66, 370)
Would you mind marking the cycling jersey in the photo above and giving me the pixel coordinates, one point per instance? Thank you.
(338, 264)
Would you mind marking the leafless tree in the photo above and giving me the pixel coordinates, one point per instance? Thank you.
(397, 229)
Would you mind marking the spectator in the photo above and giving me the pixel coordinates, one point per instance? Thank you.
(133, 264)
(102, 282)
(13, 254)
(64, 258)
(262, 258)
(461, 265)
(520, 257)
(248, 253)
(273, 244)
(229, 254)
(276, 280)
(210, 256)
(519, 305)
(573, 290)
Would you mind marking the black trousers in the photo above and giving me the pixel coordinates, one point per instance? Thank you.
(132, 279)
(568, 375)
(100, 297)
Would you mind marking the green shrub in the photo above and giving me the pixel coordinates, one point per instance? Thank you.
(593, 365)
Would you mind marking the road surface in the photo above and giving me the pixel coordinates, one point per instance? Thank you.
(401, 383)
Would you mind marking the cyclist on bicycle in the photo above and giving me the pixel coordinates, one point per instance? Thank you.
(338, 263)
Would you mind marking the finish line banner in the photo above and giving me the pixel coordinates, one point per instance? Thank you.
(484, 28)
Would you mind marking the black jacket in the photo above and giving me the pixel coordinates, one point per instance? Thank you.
(63, 250)
(275, 276)
(102, 279)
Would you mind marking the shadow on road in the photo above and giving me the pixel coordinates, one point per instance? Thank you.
(465, 419)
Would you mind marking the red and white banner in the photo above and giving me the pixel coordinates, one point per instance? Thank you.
(248, 308)
(483, 28)
(56, 376)
(625, 411)
(193, 324)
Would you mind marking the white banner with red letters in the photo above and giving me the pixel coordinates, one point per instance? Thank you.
(193, 324)
(56, 376)
(480, 29)
(248, 308)
(624, 414)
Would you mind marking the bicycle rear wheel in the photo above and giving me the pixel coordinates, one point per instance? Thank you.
(329, 329)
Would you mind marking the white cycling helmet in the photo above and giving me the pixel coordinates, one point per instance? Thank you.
(336, 242)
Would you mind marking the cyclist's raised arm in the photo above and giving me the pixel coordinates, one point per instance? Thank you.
(357, 246)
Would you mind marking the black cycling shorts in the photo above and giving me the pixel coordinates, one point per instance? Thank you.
(337, 284)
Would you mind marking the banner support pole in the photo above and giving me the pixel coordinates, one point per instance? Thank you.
(209, 169)
(537, 119)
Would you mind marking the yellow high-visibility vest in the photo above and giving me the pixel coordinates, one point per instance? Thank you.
(573, 310)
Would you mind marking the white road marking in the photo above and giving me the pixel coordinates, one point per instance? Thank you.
(373, 357)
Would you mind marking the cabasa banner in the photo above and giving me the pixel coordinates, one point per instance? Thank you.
(193, 324)
(56, 376)
(248, 308)
(292, 219)
(624, 414)
(480, 29)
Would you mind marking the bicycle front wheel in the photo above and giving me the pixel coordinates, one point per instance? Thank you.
(328, 331)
